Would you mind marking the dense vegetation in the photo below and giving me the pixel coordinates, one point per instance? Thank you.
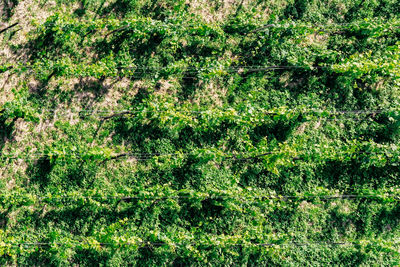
(200, 132)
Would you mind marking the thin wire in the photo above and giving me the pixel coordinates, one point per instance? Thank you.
(255, 198)
(127, 111)
(210, 111)
(199, 73)
(45, 23)
(185, 73)
(147, 244)
(320, 26)
(106, 115)
(288, 24)
(147, 156)
(239, 67)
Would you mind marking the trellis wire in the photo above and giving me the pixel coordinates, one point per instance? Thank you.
(146, 244)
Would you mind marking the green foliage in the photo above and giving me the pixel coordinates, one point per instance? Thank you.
(197, 133)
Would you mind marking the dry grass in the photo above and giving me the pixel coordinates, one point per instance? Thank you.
(220, 10)
(213, 93)
(213, 13)
(23, 13)
(316, 39)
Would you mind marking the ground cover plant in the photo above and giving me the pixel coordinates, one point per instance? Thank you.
(163, 133)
